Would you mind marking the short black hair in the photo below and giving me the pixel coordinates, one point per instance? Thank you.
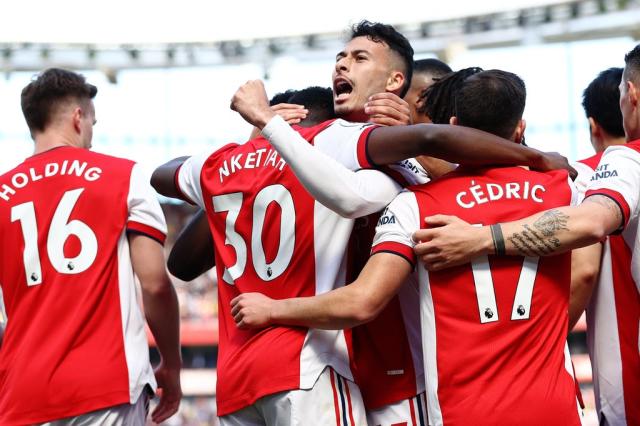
(381, 33)
(601, 101)
(282, 97)
(439, 100)
(432, 66)
(632, 63)
(54, 85)
(319, 102)
(492, 101)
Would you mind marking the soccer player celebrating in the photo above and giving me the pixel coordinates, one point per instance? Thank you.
(611, 335)
(611, 205)
(76, 226)
(476, 366)
(307, 256)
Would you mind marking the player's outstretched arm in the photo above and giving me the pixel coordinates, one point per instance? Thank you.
(453, 242)
(456, 144)
(193, 253)
(163, 178)
(348, 193)
(348, 306)
(161, 311)
(585, 268)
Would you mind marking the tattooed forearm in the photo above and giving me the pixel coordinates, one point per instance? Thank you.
(541, 239)
(551, 222)
(609, 204)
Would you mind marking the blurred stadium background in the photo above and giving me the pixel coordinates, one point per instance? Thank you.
(166, 73)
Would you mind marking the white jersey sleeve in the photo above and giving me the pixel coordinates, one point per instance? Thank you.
(188, 178)
(3, 312)
(394, 233)
(618, 177)
(582, 180)
(329, 170)
(145, 215)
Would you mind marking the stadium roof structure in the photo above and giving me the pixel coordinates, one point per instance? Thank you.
(117, 35)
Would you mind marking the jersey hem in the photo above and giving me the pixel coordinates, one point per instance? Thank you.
(83, 406)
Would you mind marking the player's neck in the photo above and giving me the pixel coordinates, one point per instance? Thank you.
(51, 139)
(357, 116)
(611, 141)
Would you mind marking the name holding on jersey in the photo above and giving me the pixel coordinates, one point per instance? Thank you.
(487, 192)
(65, 168)
(262, 157)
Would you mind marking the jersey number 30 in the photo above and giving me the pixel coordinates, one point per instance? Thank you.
(59, 231)
(231, 203)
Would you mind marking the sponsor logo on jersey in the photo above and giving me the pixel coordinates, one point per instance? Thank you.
(603, 172)
(387, 218)
(486, 192)
(411, 166)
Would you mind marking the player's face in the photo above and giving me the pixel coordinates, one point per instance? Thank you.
(629, 107)
(419, 83)
(362, 69)
(87, 122)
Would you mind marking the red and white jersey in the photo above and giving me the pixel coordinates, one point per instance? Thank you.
(272, 237)
(387, 351)
(493, 331)
(613, 315)
(75, 340)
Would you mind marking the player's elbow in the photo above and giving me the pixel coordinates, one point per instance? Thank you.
(366, 309)
(157, 181)
(176, 267)
(157, 286)
(350, 210)
(586, 278)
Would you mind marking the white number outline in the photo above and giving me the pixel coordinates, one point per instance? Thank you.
(232, 203)
(60, 230)
(486, 295)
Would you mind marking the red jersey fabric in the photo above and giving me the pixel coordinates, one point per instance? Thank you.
(494, 331)
(75, 339)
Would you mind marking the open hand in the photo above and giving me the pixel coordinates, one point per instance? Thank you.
(388, 109)
(450, 241)
(169, 391)
(556, 161)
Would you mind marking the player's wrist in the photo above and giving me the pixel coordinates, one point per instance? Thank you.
(488, 243)
(263, 117)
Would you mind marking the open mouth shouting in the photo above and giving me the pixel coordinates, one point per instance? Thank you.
(342, 88)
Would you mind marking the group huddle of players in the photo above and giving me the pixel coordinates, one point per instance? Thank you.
(369, 271)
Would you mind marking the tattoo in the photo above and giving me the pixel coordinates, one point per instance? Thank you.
(551, 222)
(540, 239)
(607, 202)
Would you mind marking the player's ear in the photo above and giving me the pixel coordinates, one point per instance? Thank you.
(632, 92)
(76, 118)
(453, 120)
(395, 82)
(520, 128)
(594, 128)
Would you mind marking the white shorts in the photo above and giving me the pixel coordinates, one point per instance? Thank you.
(118, 415)
(408, 412)
(333, 400)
